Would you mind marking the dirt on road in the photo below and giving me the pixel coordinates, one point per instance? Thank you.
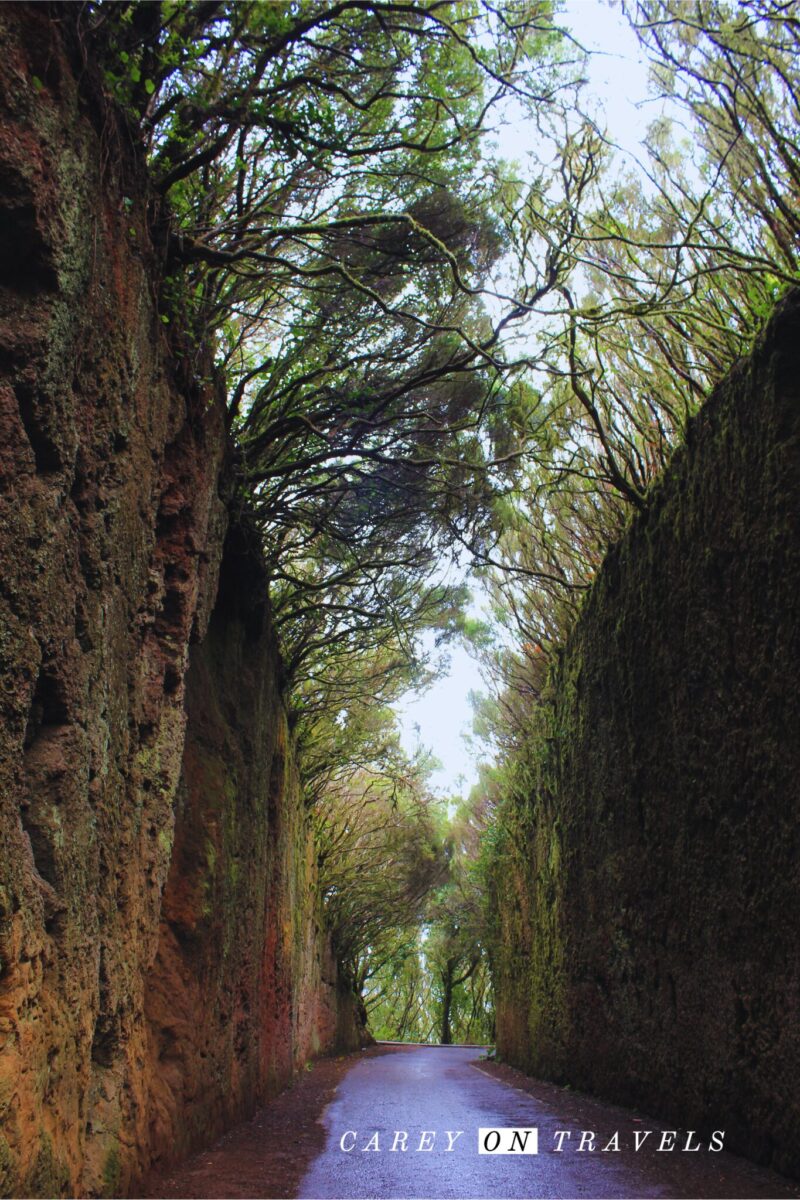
(269, 1155)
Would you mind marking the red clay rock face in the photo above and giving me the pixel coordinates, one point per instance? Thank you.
(111, 535)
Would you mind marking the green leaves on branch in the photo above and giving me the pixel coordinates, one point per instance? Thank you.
(434, 984)
(332, 219)
(380, 853)
(666, 268)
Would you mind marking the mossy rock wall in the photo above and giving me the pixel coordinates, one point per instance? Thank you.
(647, 941)
(158, 908)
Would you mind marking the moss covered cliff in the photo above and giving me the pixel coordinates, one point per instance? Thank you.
(647, 926)
(158, 908)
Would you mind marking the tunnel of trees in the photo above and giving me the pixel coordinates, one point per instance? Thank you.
(458, 333)
(435, 352)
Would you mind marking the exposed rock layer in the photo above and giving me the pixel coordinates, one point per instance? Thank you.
(157, 883)
(649, 912)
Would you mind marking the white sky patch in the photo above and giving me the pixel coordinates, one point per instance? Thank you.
(440, 720)
(617, 69)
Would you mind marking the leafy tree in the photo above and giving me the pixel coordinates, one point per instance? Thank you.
(734, 69)
(435, 986)
(397, 995)
(380, 854)
(668, 268)
(327, 216)
(664, 272)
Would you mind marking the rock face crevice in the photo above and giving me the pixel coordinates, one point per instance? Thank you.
(648, 921)
(157, 905)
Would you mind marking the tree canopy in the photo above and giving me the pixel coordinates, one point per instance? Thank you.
(327, 214)
(431, 353)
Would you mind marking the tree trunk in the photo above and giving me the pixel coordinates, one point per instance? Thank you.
(447, 1000)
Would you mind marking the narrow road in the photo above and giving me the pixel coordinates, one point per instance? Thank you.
(440, 1096)
(429, 1103)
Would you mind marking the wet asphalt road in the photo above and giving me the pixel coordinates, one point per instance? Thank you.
(439, 1089)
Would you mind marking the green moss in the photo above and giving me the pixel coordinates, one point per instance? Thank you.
(112, 1172)
(649, 796)
(8, 1170)
(6, 1095)
(49, 1176)
(554, 861)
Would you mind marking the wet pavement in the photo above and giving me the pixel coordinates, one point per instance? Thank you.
(430, 1102)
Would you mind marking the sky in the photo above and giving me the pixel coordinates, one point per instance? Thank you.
(440, 720)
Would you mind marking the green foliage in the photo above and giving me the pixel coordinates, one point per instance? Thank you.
(431, 353)
(329, 221)
(380, 853)
(434, 985)
(333, 218)
(661, 273)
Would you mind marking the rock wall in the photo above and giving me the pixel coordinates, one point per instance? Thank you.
(244, 988)
(157, 901)
(647, 882)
